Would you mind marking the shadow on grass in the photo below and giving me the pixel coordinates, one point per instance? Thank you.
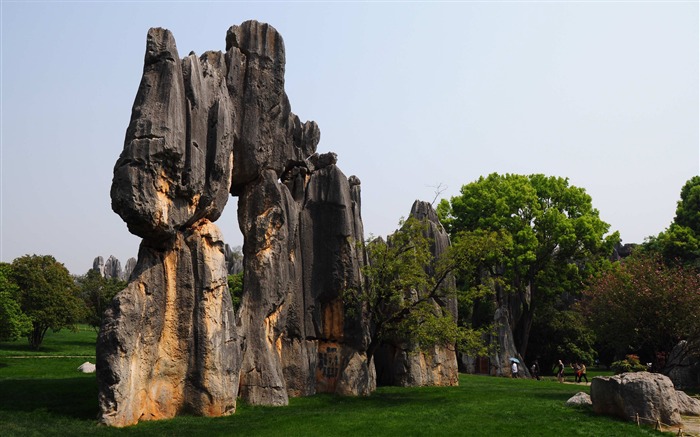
(24, 349)
(71, 397)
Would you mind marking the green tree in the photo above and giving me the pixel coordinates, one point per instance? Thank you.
(556, 239)
(406, 288)
(14, 324)
(644, 306)
(235, 287)
(97, 292)
(680, 242)
(47, 294)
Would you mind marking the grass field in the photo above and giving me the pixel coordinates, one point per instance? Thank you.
(48, 396)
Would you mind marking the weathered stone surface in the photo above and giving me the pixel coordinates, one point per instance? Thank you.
(128, 268)
(266, 212)
(330, 229)
(234, 259)
(202, 128)
(649, 395)
(98, 264)
(178, 153)
(168, 342)
(683, 367)
(687, 406)
(113, 268)
(579, 399)
(87, 367)
(268, 135)
(404, 364)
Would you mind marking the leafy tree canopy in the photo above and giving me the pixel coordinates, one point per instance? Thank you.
(555, 238)
(644, 306)
(405, 284)
(14, 324)
(97, 292)
(680, 243)
(47, 294)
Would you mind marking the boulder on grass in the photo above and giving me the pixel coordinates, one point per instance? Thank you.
(579, 398)
(688, 406)
(87, 367)
(649, 396)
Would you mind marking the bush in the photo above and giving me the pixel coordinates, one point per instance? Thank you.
(629, 364)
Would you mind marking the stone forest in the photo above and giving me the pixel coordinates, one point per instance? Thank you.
(203, 129)
(207, 128)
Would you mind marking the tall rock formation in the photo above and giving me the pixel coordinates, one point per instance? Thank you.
(404, 363)
(202, 128)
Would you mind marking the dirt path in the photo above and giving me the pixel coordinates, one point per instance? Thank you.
(690, 427)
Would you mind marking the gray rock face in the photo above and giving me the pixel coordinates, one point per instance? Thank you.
(113, 268)
(687, 406)
(403, 363)
(649, 395)
(684, 366)
(128, 269)
(168, 342)
(579, 399)
(202, 128)
(98, 264)
(300, 256)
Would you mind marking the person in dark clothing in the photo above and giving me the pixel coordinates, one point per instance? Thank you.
(535, 370)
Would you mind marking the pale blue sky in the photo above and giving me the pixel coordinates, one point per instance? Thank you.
(410, 95)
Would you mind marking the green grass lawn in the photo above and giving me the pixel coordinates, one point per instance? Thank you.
(48, 396)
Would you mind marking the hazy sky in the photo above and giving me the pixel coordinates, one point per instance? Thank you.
(409, 95)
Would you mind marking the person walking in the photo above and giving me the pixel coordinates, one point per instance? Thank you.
(514, 369)
(560, 371)
(535, 370)
(583, 373)
(577, 372)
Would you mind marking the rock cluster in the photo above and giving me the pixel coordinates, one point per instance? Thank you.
(112, 268)
(203, 128)
(650, 397)
(403, 363)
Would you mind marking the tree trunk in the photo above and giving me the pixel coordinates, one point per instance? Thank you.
(522, 334)
(37, 336)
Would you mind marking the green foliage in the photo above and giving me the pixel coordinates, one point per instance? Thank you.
(680, 242)
(642, 305)
(562, 334)
(47, 294)
(629, 364)
(14, 323)
(554, 238)
(404, 282)
(235, 287)
(97, 292)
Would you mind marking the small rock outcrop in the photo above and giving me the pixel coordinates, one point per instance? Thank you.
(579, 399)
(87, 367)
(405, 364)
(649, 396)
(688, 406)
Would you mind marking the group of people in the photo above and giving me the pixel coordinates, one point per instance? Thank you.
(579, 371)
(578, 367)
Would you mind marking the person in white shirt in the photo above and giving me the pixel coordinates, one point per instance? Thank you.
(514, 369)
